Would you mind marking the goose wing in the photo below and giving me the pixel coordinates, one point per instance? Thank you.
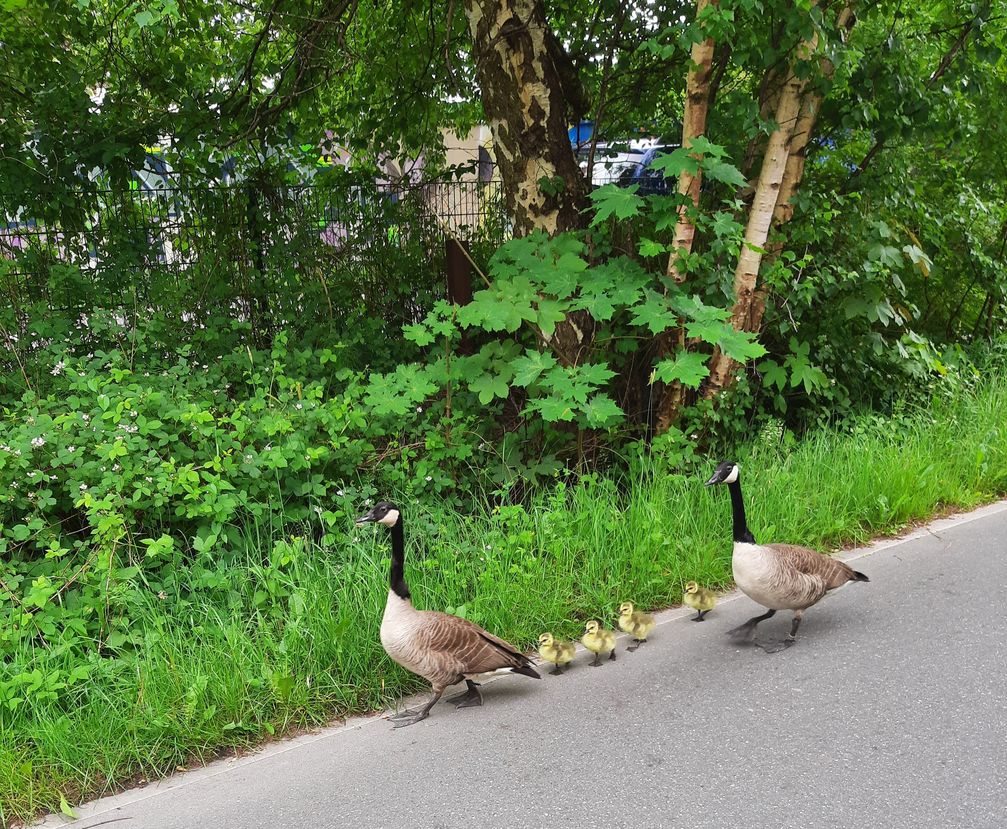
(472, 649)
(832, 572)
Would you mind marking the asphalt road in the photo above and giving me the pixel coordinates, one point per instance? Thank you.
(891, 711)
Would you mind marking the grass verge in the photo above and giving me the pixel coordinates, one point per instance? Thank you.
(285, 636)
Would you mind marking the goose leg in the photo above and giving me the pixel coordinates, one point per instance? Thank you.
(409, 718)
(471, 698)
(699, 616)
(557, 671)
(635, 645)
(791, 637)
(745, 631)
(611, 656)
(597, 661)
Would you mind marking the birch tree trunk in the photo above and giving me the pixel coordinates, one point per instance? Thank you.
(760, 218)
(697, 105)
(530, 92)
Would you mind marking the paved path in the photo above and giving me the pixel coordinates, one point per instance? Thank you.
(891, 711)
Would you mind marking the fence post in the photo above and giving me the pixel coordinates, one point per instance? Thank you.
(459, 272)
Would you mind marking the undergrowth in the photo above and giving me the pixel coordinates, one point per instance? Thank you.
(280, 633)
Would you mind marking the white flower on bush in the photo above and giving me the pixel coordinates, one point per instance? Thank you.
(85, 417)
(299, 406)
(32, 474)
(71, 449)
(428, 478)
(340, 493)
(58, 368)
(83, 487)
(38, 442)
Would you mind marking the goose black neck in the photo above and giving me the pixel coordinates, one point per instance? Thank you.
(398, 580)
(741, 531)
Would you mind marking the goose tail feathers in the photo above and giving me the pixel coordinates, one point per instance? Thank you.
(526, 670)
(858, 576)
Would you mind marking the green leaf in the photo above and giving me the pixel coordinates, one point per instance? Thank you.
(773, 374)
(550, 312)
(725, 172)
(648, 247)
(553, 409)
(529, 368)
(655, 313)
(65, 807)
(687, 367)
(489, 386)
(740, 345)
(20, 532)
(600, 411)
(418, 333)
(611, 200)
(673, 164)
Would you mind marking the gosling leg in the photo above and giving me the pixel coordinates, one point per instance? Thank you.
(700, 615)
(635, 645)
(611, 656)
(744, 632)
(597, 661)
(557, 671)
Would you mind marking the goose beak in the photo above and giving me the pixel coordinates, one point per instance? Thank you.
(365, 519)
(713, 480)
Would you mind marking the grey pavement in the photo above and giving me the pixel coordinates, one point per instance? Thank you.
(890, 711)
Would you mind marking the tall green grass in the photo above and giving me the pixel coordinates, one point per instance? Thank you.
(290, 641)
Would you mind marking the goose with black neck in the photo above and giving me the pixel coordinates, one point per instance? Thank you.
(777, 576)
(441, 648)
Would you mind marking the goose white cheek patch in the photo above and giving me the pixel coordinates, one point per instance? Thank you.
(730, 479)
(390, 518)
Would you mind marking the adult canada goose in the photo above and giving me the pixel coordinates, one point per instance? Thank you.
(443, 649)
(636, 623)
(553, 650)
(777, 576)
(699, 599)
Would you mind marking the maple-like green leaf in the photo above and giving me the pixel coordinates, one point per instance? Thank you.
(673, 164)
(648, 247)
(702, 145)
(655, 313)
(550, 312)
(552, 408)
(611, 200)
(691, 306)
(528, 368)
(600, 411)
(418, 333)
(725, 172)
(707, 330)
(740, 345)
(489, 386)
(687, 367)
(773, 374)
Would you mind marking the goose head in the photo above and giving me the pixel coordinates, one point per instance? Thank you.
(725, 473)
(691, 587)
(384, 512)
(592, 627)
(545, 640)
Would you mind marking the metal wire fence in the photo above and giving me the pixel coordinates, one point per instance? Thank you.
(300, 249)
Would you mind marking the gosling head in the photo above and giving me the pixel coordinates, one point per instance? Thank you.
(592, 627)
(725, 473)
(626, 609)
(384, 512)
(545, 640)
(691, 587)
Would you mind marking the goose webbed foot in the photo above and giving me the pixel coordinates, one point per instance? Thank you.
(405, 715)
(402, 722)
(470, 698)
(776, 647)
(611, 656)
(745, 632)
(557, 671)
(597, 661)
(635, 645)
(700, 616)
